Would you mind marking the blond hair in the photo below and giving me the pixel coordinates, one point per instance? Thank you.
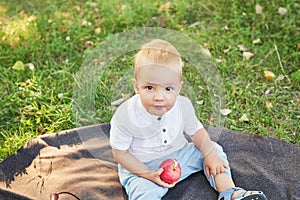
(157, 51)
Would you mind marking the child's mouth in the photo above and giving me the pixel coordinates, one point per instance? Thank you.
(158, 107)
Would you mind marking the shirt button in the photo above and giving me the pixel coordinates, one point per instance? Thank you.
(165, 141)
(159, 118)
(164, 130)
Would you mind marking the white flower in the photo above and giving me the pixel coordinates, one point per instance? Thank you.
(68, 38)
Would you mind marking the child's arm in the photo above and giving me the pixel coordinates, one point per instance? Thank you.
(212, 161)
(129, 162)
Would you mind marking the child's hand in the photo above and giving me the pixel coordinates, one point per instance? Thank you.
(214, 164)
(154, 177)
(161, 182)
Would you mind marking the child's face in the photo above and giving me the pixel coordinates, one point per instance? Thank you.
(158, 87)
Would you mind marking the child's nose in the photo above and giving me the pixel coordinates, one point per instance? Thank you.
(158, 95)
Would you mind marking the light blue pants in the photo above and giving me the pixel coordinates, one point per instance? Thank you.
(191, 160)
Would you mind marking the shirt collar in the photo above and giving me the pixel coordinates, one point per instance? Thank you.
(146, 116)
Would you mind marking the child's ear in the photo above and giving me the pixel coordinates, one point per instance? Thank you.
(136, 87)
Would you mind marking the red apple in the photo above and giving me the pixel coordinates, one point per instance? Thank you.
(172, 171)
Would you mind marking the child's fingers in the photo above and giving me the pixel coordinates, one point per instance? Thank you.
(160, 170)
(166, 185)
(220, 170)
(207, 172)
(226, 165)
(213, 172)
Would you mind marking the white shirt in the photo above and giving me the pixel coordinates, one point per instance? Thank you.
(148, 137)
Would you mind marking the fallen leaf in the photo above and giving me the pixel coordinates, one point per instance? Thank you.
(19, 66)
(117, 102)
(161, 21)
(226, 50)
(199, 102)
(63, 29)
(165, 6)
(89, 43)
(41, 130)
(206, 52)
(269, 104)
(248, 55)
(29, 108)
(27, 82)
(84, 22)
(210, 120)
(244, 118)
(97, 30)
(267, 91)
(282, 11)
(31, 18)
(258, 9)
(93, 4)
(21, 89)
(30, 66)
(225, 111)
(194, 24)
(218, 60)
(60, 95)
(200, 87)
(226, 28)
(96, 61)
(241, 47)
(280, 77)
(269, 75)
(256, 41)
(22, 13)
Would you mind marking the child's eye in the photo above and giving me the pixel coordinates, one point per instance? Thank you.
(149, 88)
(169, 89)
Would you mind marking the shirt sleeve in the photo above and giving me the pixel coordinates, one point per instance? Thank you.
(191, 122)
(119, 139)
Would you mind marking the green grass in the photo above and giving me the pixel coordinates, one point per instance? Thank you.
(39, 101)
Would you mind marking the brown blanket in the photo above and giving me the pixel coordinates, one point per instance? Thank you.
(79, 162)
